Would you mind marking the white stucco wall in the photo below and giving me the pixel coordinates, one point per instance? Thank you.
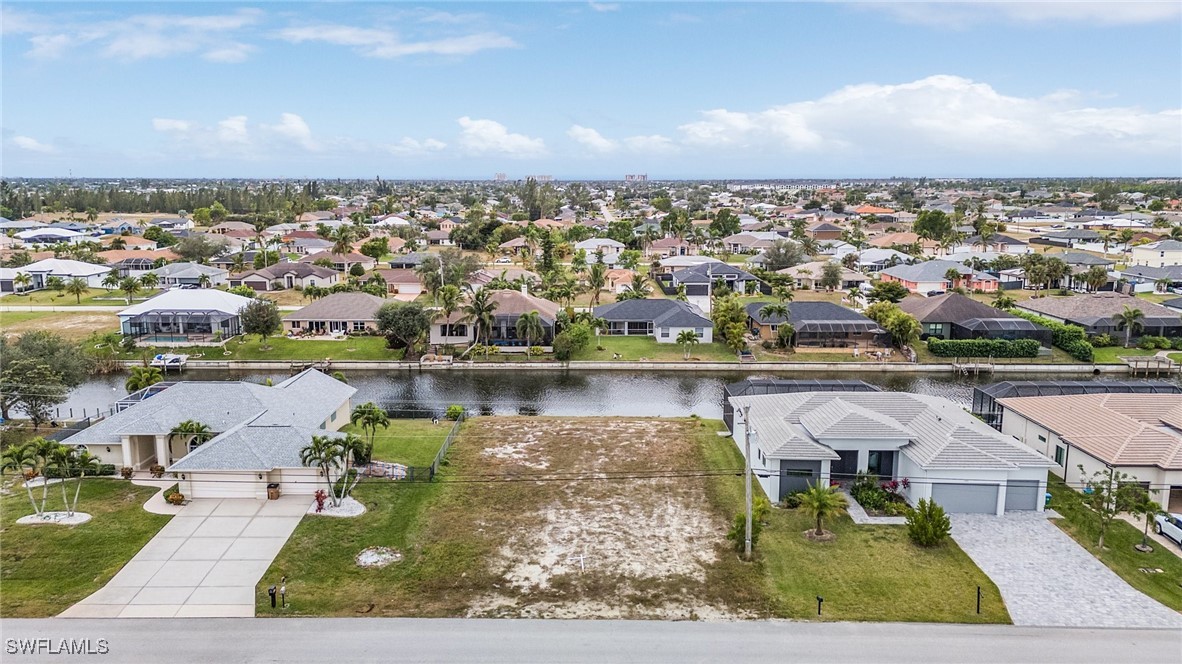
(706, 337)
(770, 467)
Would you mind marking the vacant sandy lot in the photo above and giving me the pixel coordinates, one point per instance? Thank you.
(583, 528)
(72, 326)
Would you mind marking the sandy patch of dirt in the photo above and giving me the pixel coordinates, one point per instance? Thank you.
(602, 539)
(68, 325)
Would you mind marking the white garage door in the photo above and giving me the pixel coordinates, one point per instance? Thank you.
(966, 498)
(223, 486)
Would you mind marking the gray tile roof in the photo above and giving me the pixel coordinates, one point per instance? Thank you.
(662, 313)
(1093, 307)
(933, 271)
(941, 435)
(305, 400)
(340, 306)
(252, 447)
(708, 272)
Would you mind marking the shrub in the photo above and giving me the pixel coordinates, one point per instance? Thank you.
(127, 472)
(1103, 341)
(927, 524)
(767, 345)
(896, 509)
(1176, 343)
(738, 532)
(1069, 338)
(321, 496)
(791, 501)
(176, 498)
(1146, 343)
(54, 473)
(454, 412)
(535, 351)
(157, 470)
(983, 347)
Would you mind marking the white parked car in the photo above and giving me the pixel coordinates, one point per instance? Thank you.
(1169, 525)
(503, 260)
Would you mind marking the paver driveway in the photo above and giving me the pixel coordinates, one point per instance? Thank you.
(206, 562)
(1047, 579)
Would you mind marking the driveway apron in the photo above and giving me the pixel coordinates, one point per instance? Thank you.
(205, 562)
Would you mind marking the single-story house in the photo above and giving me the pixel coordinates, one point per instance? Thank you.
(661, 319)
(258, 434)
(182, 316)
(674, 263)
(184, 274)
(129, 241)
(287, 275)
(8, 279)
(818, 324)
(42, 270)
(931, 276)
(511, 304)
(1094, 312)
(824, 231)
(669, 246)
(485, 276)
(518, 245)
(353, 312)
(945, 453)
(955, 316)
(606, 245)
(440, 238)
(877, 260)
(1144, 278)
(403, 284)
(750, 242)
(341, 262)
(1138, 434)
(49, 235)
(618, 280)
(232, 226)
(135, 262)
(308, 245)
(997, 243)
(808, 275)
(408, 262)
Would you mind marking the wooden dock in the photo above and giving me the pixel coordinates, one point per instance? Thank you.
(1147, 365)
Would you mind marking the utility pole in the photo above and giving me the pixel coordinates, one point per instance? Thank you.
(747, 478)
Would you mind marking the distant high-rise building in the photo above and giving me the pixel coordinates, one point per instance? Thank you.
(500, 177)
(540, 178)
(636, 177)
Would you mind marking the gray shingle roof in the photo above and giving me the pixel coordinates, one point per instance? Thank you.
(340, 306)
(941, 435)
(933, 271)
(252, 447)
(1093, 307)
(662, 313)
(707, 272)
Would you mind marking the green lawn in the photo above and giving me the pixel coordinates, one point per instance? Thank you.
(409, 442)
(284, 349)
(45, 569)
(94, 297)
(1056, 357)
(634, 348)
(1112, 354)
(869, 573)
(1083, 525)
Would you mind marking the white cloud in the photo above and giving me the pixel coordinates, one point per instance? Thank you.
(966, 14)
(381, 43)
(592, 140)
(171, 125)
(479, 136)
(293, 128)
(33, 145)
(653, 144)
(605, 6)
(409, 146)
(233, 130)
(939, 115)
(136, 37)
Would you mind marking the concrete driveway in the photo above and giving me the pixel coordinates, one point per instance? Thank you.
(1048, 580)
(205, 562)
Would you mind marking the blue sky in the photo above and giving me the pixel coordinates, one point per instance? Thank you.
(587, 90)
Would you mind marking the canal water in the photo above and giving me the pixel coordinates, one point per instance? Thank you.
(630, 393)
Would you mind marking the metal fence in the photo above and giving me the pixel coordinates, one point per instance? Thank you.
(451, 436)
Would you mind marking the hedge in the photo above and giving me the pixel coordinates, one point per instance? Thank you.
(983, 347)
(1070, 338)
(103, 469)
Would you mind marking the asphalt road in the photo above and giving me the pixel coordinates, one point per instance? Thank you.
(224, 640)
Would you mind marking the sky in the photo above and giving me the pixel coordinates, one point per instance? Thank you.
(588, 90)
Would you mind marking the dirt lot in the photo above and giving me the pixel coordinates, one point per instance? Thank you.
(72, 326)
(586, 543)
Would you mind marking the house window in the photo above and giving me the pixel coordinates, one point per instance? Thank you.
(358, 326)
(1059, 454)
(1042, 439)
(664, 333)
(699, 331)
(333, 417)
(295, 325)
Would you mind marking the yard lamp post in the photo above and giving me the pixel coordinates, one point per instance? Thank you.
(747, 478)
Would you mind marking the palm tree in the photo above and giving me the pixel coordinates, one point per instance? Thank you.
(529, 325)
(204, 281)
(342, 240)
(22, 459)
(822, 502)
(323, 453)
(687, 339)
(22, 281)
(193, 432)
(149, 280)
(1162, 285)
(118, 242)
(142, 377)
(239, 264)
(1129, 320)
(449, 300)
(129, 286)
(784, 293)
(369, 417)
(111, 281)
(635, 291)
(1003, 301)
(953, 277)
(769, 311)
(350, 450)
(480, 312)
(596, 279)
(77, 287)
